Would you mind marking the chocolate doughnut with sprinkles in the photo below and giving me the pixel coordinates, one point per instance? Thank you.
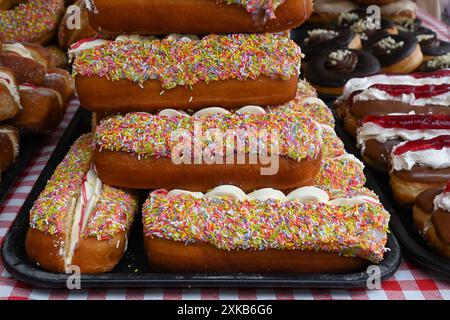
(78, 220)
(431, 214)
(133, 150)
(196, 16)
(32, 21)
(397, 53)
(421, 164)
(329, 71)
(266, 231)
(218, 70)
(437, 63)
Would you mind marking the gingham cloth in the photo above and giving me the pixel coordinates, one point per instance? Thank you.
(409, 282)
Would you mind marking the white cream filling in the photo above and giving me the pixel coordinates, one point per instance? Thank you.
(376, 94)
(442, 201)
(134, 38)
(211, 111)
(19, 49)
(361, 84)
(303, 194)
(371, 130)
(432, 158)
(8, 82)
(85, 205)
(76, 49)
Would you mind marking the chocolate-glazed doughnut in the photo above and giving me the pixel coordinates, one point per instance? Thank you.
(359, 22)
(329, 72)
(432, 47)
(421, 164)
(432, 218)
(437, 63)
(318, 40)
(397, 53)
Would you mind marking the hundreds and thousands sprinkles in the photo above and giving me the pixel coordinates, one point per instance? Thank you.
(147, 135)
(112, 213)
(350, 230)
(185, 63)
(31, 20)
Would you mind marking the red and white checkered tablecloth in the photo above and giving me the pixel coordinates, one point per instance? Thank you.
(409, 282)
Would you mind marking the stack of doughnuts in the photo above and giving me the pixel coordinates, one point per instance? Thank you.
(400, 43)
(203, 99)
(33, 94)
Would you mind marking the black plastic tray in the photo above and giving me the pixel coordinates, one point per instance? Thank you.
(133, 270)
(28, 146)
(401, 223)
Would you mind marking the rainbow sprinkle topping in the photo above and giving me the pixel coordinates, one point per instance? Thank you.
(340, 175)
(353, 231)
(113, 213)
(147, 135)
(30, 21)
(180, 63)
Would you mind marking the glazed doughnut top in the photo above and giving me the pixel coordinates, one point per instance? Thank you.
(252, 6)
(31, 20)
(112, 214)
(147, 135)
(348, 228)
(185, 63)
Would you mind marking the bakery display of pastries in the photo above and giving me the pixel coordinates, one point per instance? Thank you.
(169, 82)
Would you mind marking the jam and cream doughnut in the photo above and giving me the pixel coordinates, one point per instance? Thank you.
(28, 61)
(322, 236)
(133, 149)
(68, 36)
(387, 96)
(329, 71)
(378, 135)
(9, 146)
(431, 214)
(196, 16)
(9, 95)
(227, 71)
(421, 164)
(32, 21)
(42, 110)
(397, 53)
(78, 220)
